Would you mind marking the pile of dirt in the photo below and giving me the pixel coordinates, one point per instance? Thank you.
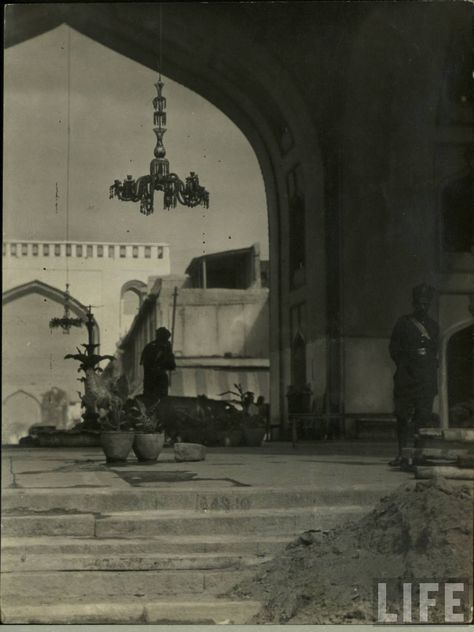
(420, 533)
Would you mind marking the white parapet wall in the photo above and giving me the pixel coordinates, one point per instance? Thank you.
(97, 272)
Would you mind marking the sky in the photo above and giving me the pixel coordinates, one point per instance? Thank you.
(111, 135)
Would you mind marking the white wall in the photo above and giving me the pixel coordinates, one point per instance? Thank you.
(94, 280)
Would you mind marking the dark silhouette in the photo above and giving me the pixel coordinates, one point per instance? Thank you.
(157, 359)
(413, 348)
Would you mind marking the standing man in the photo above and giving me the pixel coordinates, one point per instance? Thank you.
(157, 359)
(414, 348)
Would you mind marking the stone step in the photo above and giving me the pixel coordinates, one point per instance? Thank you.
(172, 545)
(103, 500)
(185, 522)
(264, 521)
(58, 524)
(21, 561)
(186, 610)
(41, 585)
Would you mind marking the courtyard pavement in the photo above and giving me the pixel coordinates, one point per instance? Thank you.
(324, 464)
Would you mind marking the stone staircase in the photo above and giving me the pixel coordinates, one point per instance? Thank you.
(152, 555)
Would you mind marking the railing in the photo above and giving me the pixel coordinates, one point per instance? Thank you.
(85, 250)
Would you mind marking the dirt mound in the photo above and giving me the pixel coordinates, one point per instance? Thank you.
(421, 532)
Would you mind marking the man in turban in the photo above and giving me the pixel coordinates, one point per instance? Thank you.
(414, 348)
(157, 359)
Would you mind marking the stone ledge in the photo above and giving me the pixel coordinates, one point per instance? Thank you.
(190, 611)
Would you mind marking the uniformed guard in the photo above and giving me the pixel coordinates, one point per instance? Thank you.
(414, 349)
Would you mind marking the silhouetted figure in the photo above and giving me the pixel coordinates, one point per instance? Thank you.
(264, 412)
(157, 359)
(414, 348)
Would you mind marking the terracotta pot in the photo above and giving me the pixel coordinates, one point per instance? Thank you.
(116, 445)
(254, 436)
(147, 446)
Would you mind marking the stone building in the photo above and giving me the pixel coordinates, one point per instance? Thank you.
(108, 276)
(360, 114)
(220, 333)
(104, 275)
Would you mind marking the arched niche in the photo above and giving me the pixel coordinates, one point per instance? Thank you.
(52, 293)
(448, 337)
(20, 410)
(33, 355)
(131, 299)
(298, 360)
(138, 287)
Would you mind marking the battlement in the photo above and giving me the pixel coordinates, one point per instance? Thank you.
(84, 250)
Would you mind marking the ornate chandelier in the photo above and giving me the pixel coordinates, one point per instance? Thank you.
(189, 193)
(66, 322)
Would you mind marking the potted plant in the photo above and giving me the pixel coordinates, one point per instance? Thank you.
(253, 424)
(299, 398)
(196, 421)
(235, 424)
(117, 435)
(149, 432)
(229, 432)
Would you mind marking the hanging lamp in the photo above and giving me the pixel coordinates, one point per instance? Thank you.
(188, 193)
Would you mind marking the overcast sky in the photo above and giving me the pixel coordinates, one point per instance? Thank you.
(111, 136)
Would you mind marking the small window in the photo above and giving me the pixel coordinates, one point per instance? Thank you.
(78, 250)
(46, 250)
(147, 252)
(57, 250)
(35, 250)
(111, 251)
(160, 252)
(100, 250)
(24, 249)
(135, 252)
(89, 251)
(122, 251)
(69, 250)
(13, 250)
(4, 249)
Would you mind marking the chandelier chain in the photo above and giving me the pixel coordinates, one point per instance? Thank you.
(160, 60)
(68, 140)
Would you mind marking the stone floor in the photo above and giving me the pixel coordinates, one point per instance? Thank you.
(274, 464)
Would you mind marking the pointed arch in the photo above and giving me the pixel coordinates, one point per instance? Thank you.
(20, 410)
(53, 294)
(298, 360)
(139, 287)
(21, 391)
(443, 367)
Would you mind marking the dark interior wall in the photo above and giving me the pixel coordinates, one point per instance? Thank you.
(396, 75)
(371, 75)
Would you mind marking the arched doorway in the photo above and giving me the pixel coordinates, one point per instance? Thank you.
(131, 298)
(298, 361)
(20, 411)
(460, 377)
(33, 355)
(456, 377)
